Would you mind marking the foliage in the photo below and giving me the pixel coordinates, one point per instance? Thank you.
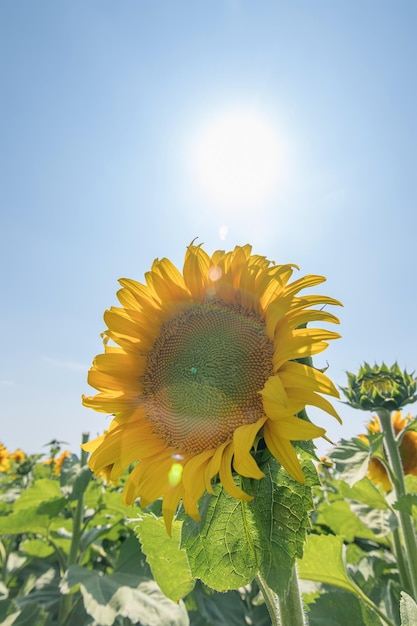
(71, 553)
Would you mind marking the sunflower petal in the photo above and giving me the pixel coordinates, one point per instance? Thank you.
(295, 429)
(196, 271)
(243, 439)
(170, 504)
(226, 476)
(284, 452)
(306, 377)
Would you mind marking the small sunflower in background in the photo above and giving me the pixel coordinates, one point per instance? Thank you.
(18, 456)
(4, 459)
(197, 366)
(57, 462)
(408, 450)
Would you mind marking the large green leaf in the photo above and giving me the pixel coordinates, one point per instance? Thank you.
(351, 458)
(339, 607)
(408, 610)
(124, 595)
(31, 615)
(167, 560)
(42, 491)
(363, 491)
(232, 608)
(381, 523)
(236, 539)
(37, 547)
(323, 562)
(24, 521)
(406, 503)
(339, 517)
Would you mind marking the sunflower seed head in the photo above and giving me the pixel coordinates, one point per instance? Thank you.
(380, 387)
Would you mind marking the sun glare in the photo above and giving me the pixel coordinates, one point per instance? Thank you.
(238, 159)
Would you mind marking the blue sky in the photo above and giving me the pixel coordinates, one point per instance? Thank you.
(102, 104)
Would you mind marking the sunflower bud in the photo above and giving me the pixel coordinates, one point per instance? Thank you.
(380, 387)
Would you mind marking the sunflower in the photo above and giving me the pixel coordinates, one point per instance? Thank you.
(198, 366)
(18, 456)
(58, 463)
(4, 459)
(408, 450)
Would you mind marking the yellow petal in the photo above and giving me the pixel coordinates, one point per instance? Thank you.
(305, 377)
(243, 439)
(193, 474)
(273, 393)
(226, 477)
(302, 283)
(308, 397)
(295, 319)
(284, 452)
(196, 271)
(214, 466)
(170, 505)
(294, 429)
(140, 292)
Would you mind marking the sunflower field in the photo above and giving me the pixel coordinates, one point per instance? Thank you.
(72, 553)
(204, 502)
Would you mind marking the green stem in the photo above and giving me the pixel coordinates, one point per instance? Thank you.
(402, 567)
(67, 599)
(291, 605)
(288, 609)
(271, 600)
(406, 524)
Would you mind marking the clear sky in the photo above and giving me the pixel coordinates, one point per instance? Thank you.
(105, 107)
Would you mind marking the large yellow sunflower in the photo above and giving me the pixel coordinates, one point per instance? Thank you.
(205, 362)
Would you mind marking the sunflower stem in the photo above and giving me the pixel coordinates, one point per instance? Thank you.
(406, 525)
(271, 600)
(402, 567)
(291, 605)
(285, 610)
(65, 606)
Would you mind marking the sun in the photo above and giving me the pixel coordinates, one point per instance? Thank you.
(238, 159)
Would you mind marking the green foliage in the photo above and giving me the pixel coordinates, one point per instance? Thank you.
(341, 608)
(71, 553)
(236, 539)
(168, 562)
(408, 610)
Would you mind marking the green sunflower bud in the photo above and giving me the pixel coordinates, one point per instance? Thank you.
(380, 387)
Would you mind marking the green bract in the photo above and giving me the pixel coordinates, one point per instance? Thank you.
(380, 387)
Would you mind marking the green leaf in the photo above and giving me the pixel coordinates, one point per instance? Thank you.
(405, 503)
(237, 539)
(339, 517)
(43, 490)
(140, 600)
(24, 521)
(31, 615)
(339, 607)
(168, 562)
(232, 608)
(323, 562)
(220, 548)
(37, 548)
(408, 610)
(364, 491)
(351, 458)
(380, 523)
